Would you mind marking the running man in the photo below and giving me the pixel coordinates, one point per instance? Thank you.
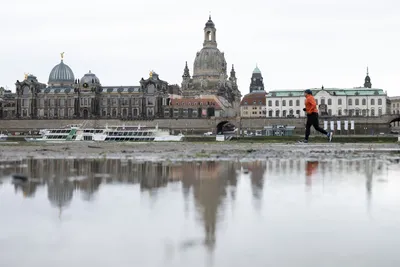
(312, 117)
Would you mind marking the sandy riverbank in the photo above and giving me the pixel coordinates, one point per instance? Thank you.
(195, 151)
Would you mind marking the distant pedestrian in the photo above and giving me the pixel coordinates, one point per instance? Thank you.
(312, 117)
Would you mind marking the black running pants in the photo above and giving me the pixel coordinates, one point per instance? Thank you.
(312, 120)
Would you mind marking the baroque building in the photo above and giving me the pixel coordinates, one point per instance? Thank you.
(358, 101)
(210, 74)
(67, 97)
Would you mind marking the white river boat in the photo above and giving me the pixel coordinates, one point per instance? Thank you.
(109, 134)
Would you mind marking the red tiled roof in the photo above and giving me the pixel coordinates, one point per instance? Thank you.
(195, 102)
(255, 98)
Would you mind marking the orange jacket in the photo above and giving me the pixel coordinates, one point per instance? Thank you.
(311, 105)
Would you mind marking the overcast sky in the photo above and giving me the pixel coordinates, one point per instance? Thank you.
(296, 44)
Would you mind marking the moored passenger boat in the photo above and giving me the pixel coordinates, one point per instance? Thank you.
(108, 134)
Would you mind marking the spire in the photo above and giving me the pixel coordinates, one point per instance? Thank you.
(186, 73)
(233, 72)
(367, 81)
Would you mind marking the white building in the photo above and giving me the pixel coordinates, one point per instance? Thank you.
(330, 101)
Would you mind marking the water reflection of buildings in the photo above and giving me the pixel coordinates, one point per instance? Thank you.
(257, 170)
(208, 182)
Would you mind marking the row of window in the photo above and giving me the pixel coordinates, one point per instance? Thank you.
(168, 112)
(254, 102)
(350, 112)
(209, 103)
(246, 113)
(87, 101)
(329, 102)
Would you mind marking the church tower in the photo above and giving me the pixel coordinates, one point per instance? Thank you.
(233, 78)
(186, 78)
(367, 83)
(256, 83)
(210, 34)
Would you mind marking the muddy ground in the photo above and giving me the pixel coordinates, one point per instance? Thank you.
(196, 151)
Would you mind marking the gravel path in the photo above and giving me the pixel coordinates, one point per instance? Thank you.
(195, 151)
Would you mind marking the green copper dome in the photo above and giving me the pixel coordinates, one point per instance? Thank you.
(257, 70)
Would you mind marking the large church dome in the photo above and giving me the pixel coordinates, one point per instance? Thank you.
(61, 75)
(209, 63)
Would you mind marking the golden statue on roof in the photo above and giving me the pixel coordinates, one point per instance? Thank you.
(62, 55)
(151, 74)
(26, 75)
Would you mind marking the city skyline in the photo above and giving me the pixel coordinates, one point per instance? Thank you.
(295, 46)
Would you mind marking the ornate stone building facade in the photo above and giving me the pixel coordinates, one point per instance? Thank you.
(67, 97)
(7, 103)
(210, 92)
(210, 74)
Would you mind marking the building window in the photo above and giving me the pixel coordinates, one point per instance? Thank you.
(350, 102)
(329, 101)
(372, 112)
(364, 102)
(283, 103)
(379, 102)
(277, 103)
(290, 103)
(322, 101)
(298, 103)
(291, 112)
(357, 112)
(277, 113)
(270, 103)
(357, 102)
(298, 112)
(340, 112)
(364, 112)
(339, 101)
(330, 112)
(270, 113)
(284, 113)
(372, 101)
(380, 111)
